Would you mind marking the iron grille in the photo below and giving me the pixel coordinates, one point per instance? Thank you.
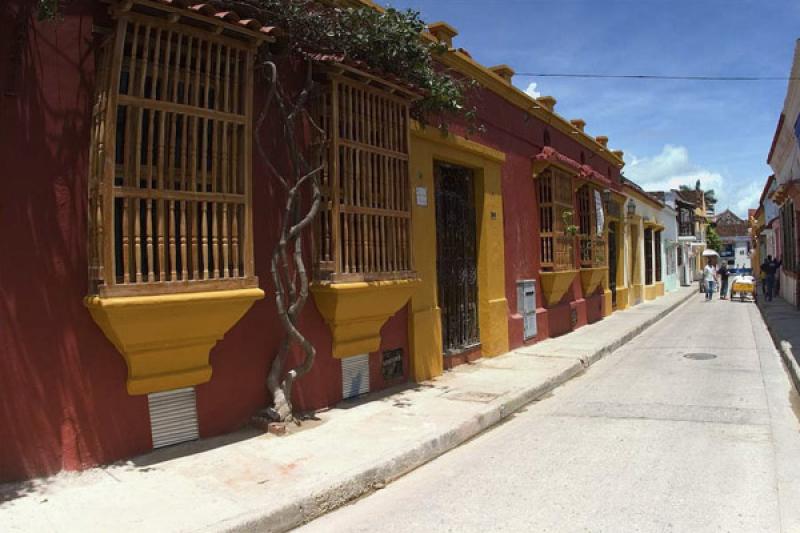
(456, 258)
(392, 364)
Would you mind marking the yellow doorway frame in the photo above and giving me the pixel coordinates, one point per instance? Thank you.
(429, 146)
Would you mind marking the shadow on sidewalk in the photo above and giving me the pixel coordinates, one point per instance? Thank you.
(12, 491)
(783, 322)
(398, 395)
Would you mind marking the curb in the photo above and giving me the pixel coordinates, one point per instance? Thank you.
(384, 471)
(785, 350)
(359, 484)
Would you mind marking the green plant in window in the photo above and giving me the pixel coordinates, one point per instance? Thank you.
(569, 228)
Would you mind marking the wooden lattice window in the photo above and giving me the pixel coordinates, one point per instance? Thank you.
(685, 222)
(364, 228)
(554, 193)
(170, 189)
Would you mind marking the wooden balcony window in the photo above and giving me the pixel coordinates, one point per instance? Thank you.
(554, 193)
(685, 222)
(364, 227)
(170, 165)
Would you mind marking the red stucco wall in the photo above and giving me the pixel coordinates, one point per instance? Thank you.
(63, 384)
(65, 405)
(521, 137)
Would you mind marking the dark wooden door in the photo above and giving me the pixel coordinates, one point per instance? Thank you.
(456, 261)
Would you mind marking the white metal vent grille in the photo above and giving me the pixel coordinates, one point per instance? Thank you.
(173, 416)
(355, 375)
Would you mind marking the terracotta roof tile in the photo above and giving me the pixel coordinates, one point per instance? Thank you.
(208, 9)
(357, 64)
(552, 155)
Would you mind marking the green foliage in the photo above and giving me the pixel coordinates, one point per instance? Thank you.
(569, 228)
(712, 239)
(47, 9)
(389, 42)
(709, 195)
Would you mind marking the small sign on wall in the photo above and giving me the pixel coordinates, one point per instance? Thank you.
(422, 196)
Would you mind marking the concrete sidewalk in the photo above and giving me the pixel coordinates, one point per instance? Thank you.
(252, 481)
(783, 322)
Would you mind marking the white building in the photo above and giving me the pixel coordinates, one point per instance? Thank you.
(784, 158)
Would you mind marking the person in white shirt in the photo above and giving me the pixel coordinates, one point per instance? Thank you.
(709, 278)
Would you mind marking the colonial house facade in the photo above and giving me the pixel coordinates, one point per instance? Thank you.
(784, 159)
(140, 226)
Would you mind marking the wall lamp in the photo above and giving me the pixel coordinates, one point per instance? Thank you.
(631, 208)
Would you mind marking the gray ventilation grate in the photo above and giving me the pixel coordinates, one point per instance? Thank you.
(173, 416)
(355, 376)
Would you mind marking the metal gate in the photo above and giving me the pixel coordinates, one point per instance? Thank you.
(456, 263)
(612, 262)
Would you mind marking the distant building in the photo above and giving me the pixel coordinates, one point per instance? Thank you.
(691, 225)
(735, 238)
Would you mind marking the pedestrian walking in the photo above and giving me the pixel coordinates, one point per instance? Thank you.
(723, 273)
(769, 267)
(709, 278)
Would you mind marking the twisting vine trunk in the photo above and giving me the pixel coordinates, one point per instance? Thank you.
(305, 163)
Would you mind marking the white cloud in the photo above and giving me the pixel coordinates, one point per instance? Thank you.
(746, 198)
(673, 167)
(669, 170)
(531, 90)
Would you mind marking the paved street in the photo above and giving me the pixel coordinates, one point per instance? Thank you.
(646, 440)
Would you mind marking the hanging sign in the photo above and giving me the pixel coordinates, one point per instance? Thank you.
(600, 217)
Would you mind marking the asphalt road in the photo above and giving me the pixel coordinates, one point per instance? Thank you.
(646, 440)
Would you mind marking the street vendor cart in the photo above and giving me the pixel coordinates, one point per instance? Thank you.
(744, 287)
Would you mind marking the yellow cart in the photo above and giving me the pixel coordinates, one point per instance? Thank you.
(744, 287)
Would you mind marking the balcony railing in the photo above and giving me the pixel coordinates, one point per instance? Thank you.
(592, 252)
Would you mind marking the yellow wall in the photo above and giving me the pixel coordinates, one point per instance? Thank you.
(622, 293)
(634, 265)
(425, 333)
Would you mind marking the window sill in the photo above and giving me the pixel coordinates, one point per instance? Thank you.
(556, 284)
(165, 339)
(592, 278)
(356, 312)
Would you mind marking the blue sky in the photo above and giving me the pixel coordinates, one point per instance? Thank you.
(672, 132)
